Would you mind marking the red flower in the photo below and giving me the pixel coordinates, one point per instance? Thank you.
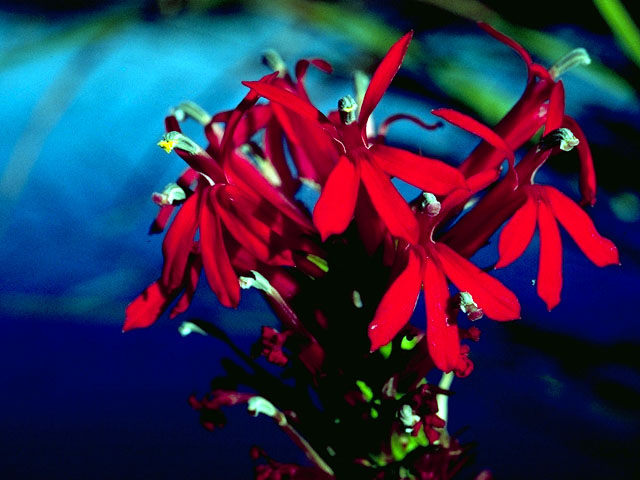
(546, 206)
(359, 161)
(430, 266)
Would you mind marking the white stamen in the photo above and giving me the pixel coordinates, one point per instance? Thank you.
(574, 58)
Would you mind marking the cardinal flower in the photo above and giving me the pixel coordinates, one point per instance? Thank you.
(547, 206)
(430, 264)
(361, 163)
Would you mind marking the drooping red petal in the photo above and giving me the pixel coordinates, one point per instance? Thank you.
(507, 41)
(192, 276)
(517, 233)
(301, 71)
(178, 242)
(472, 125)
(217, 266)
(496, 300)
(162, 218)
(443, 339)
(389, 204)
(236, 114)
(291, 101)
(334, 209)
(587, 172)
(382, 77)
(243, 174)
(549, 283)
(147, 307)
(313, 151)
(252, 234)
(397, 305)
(425, 173)
(577, 223)
(253, 120)
(555, 110)
(274, 150)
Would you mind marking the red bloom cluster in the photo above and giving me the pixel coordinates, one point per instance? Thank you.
(354, 266)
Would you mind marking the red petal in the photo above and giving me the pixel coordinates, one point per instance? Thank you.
(517, 233)
(425, 173)
(598, 249)
(550, 267)
(555, 110)
(236, 114)
(382, 77)
(147, 307)
(162, 218)
(291, 101)
(587, 172)
(334, 209)
(220, 275)
(241, 173)
(496, 300)
(171, 124)
(471, 125)
(442, 338)
(178, 241)
(274, 150)
(252, 234)
(507, 41)
(192, 277)
(389, 204)
(397, 304)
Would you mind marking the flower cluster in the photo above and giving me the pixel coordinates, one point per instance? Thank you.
(344, 278)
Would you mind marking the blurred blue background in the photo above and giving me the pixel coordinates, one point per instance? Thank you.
(85, 87)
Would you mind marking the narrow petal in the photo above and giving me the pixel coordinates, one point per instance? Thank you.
(147, 307)
(443, 339)
(397, 305)
(382, 77)
(178, 241)
(425, 173)
(555, 110)
(192, 276)
(334, 209)
(291, 101)
(587, 171)
(274, 150)
(496, 300)
(236, 114)
(549, 283)
(517, 233)
(507, 41)
(577, 223)
(252, 234)
(217, 266)
(472, 125)
(243, 174)
(389, 204)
